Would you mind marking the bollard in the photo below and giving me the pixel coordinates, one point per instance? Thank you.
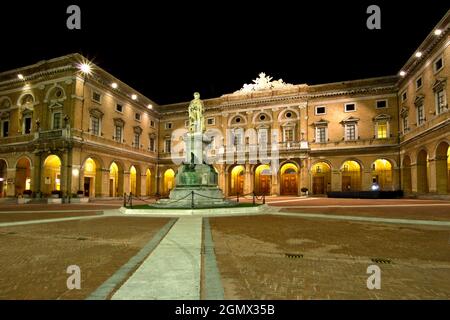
(192, 199)
(254, 200)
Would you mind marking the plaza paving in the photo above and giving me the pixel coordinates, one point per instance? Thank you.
(312, 248)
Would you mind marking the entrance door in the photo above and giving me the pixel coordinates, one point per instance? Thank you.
(111, 187)
(240, 183)
(318, 185)
(289, 184)
(346, 183)
(87, 186)
(264, 184)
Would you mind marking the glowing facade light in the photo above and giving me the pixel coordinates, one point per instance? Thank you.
(85, 68)
(150, 106)
(437, 32)
(20, 76)
(75, 172)
(133, 96)
(418, 54)
(402, 73)
(114, 85)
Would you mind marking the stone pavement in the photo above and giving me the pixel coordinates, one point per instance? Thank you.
(172, 271)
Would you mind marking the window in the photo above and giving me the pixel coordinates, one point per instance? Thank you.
(119, 108)
(438, 64)
(381, 104)
(118, 133)
(151, 146)
(238, 138)
(321, 134)
(420, 114)
(27, 125)
(382, 128)
(152, 123)
(211, 121)
(405, 124)
(137, 116)
(95, 126)
(5, 128)
(350, 131)
(167, 145)
(57, 120)
(288, 135)
(440, 101)
(404, 96)
(320, 110)
(263, 137)
(136, 140)
(350, 107)
(168, 125)
(97, 97)
(418, 83)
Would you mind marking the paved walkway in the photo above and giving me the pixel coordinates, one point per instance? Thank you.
(172, 271)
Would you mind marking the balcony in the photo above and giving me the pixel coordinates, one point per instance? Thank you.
(52, 134)
(354, 143)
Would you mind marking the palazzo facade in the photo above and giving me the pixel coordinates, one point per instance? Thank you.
(88, 132)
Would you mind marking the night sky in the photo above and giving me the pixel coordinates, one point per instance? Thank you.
(169, 49)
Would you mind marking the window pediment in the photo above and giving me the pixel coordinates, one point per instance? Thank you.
(118, 122)
(95, 112)
(4, 115)
(382, 117)
(439, 84)
(137, 130)
(350, 120)
(321, 123)
(404, 112)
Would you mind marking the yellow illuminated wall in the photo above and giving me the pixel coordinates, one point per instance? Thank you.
(169, 180)
(52, 174)
(114, 180)
(382, 173)
(351, 176)
(236, 175)
(148, 182)
(133, 180)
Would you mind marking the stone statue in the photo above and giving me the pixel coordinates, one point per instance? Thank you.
(196, 119)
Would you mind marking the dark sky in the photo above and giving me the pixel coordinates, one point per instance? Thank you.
(169, 49)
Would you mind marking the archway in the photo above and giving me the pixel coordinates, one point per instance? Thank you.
(133, 184)
(289, 183)
(3, 178)
(406, 175)
(263, 179)
(23, 176)
(351, 176)
(92, 178)
(52, 174)
(382, 174)
(237, 180)
(169, 181)
(148, 182)
(443, 168)
(115, 180)
(321, 178)
(422, 171)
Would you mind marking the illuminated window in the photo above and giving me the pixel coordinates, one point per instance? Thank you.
(382, 130)
(58, 182)
(28, 184)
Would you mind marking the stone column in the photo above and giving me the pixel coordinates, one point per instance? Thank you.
(366, 179)
(36, 173)
(275, 189)
(104, 183)
(336, 180)
(396, 172)
(226, 180)
(63, 175)
(126, 182)
(143, 184)
(432, 174)
(10, 182)
(414, 177)
(248, 180)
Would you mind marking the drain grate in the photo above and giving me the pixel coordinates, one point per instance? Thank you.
(381, 260)
(293, 255)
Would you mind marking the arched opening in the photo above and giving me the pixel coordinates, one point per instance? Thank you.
(52, 174)
(169, 181)
(263, 179)
(148, 182)
(321, 178)
(133, 174)
(115, 180)
(237, 180)
(351, 176)
(382, 174)
(3, 179)
(289, 183)
(23, 176)
(92, 178)
(406, 175)
(422, 172)
(443, 168)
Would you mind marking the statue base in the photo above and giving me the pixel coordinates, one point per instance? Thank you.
(196, 187)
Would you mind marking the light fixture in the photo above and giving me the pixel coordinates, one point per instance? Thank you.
(20, 76)
(402, 73)
(85, 68)
(114, 85)
(133, 96)
(75, 172)
(150, 106)
(418, 54)
(437, 32)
